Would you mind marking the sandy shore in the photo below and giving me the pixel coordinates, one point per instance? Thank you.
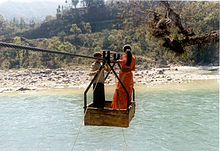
(34, 79)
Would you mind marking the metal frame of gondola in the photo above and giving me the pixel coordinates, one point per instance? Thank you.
(106, 59)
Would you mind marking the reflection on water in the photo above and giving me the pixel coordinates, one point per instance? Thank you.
(167, 118)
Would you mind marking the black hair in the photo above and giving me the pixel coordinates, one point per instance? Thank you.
(96, 54)
(127, 47)
(129, 55)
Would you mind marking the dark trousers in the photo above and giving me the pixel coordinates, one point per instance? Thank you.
(98, 95)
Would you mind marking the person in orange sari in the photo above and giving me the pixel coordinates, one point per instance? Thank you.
(127, 63)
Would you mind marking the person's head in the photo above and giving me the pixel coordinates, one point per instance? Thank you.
(127, 50)
(97, 55)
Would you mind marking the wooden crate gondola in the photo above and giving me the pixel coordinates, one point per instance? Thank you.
(108, 116)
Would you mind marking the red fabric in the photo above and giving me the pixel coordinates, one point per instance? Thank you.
(119, 100)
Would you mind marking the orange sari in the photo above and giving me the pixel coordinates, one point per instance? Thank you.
(119, 100)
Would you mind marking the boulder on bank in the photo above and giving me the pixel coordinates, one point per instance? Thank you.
(24, 89)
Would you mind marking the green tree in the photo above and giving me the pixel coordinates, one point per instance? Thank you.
(49, 18)
(67, 47)
(116, 40)
(59, 13)
(22, 23)
(5, 64)
(32, 23)
(93, 3)
(75, 29)
(17, 40)
(86, 27)
(2, 24)
(97, 49)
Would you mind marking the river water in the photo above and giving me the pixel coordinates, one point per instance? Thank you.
(177, 117)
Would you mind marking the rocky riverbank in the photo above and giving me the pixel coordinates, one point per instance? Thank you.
(33, 79)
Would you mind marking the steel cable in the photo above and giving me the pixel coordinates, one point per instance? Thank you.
(10, 45)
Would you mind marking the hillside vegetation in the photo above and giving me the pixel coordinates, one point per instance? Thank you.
(98, 26)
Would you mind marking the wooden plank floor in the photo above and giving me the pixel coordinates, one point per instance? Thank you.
(108, 116)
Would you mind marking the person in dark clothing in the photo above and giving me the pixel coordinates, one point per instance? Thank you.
(98, 84)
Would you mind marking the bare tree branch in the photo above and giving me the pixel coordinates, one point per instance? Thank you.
(161, 30)
(163, 24)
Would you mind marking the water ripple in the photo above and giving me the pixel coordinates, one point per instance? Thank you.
(164, 121)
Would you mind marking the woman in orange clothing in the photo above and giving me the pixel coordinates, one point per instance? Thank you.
(127, 66)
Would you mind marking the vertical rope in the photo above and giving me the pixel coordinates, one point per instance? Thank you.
(78, 131)
(125, 143)
(84, 115)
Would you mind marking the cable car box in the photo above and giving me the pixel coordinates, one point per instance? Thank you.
(109, 117)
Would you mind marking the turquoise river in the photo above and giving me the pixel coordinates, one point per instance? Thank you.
(171, 117)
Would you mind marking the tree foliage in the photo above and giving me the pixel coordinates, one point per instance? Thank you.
(167, 26)
(152, 28)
